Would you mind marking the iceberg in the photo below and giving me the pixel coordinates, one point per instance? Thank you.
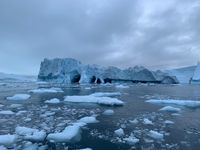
(196, 76)
(17, 97)
(69, 71)
(119, 132)
(53, 101)
(156, 135)
(92, 99)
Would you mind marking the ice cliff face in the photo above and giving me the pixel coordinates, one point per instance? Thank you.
(69, 70)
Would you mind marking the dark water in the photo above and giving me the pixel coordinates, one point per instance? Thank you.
(184, 134)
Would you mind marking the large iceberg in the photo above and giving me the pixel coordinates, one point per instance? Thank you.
(196, 76)
(69, 70)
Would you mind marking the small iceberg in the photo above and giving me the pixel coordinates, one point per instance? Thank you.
(131, 140)
(53, 101)
(46, 90)
(92, 99)
(184, 103)
(170, 109)
(146, 121)
(17, 97)
(7, 139)
(119, 132)
(6, 112)
(156, 135)
(108, 112)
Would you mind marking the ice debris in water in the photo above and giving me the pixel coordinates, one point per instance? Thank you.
(92, 99)
(105, 94)
(131, 140)
(53, 101)
(119, 132)
(168, 122)
(156, 135)
(71, 133)
(30, 134)
(122, 86)
(170, 109)
(6, 112)
(108, 112)
(17, 97)
(7, 139)
(147, 121)
(185, 103)
(47, 90)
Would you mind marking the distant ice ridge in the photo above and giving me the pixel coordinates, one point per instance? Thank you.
(69, 70)
(184, 103)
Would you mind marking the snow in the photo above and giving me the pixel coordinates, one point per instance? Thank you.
(108, 112)
(147, 121)
(131, 140)
(7, 139)
(119, 132)
(46, 90)
(53, 101)
(156, 135)
(30, 134)
(105, 94)
(170, 109)
(185, 103)
(87, 120)
(19, 97)
(6, 112)
(92, 99)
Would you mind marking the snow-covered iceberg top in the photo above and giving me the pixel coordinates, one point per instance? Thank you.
(184, 103)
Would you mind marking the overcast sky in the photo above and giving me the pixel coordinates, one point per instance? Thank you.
(153, 33)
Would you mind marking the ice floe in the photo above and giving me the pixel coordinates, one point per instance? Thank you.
(108, 112)
(88, 120)
(156, 135)
(122, 86)
(53, 101)
(7, 139)
(17, 97)
(105, 94)
(168, 122)
(6, 112)
(131, 140)
(31, 134)
(46, 90)
(92, 99)
(119, 132)
(170, 109)
(184, 103)
(147, 121)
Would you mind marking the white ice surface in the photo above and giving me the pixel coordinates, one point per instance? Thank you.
(6, 112)
(185, 103)
(7, 139)
(46, 90)
(92, 99)
(17, 97)
(108, 112)
(53, 101)
(119, 132)
(170, 109)
(156, 135)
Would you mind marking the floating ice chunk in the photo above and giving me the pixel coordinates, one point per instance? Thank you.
(122, 86)
(6, 112)
(168, 122)
(147, 121)
(88, 88)
(185, 103)
(119, 132)
(1, 105)
(135, 121)
(106, 94)
(108, 112)
(15, 105)
(18, 97)
(30, 146)
(86, 149)
(88, 120)
(156, 135)
(131, 140)
(71, 133)
(21, 112)
(45, 90)
(92, 99)
(170, 109)
(53, 101)
(7, 139)
(30, 134)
